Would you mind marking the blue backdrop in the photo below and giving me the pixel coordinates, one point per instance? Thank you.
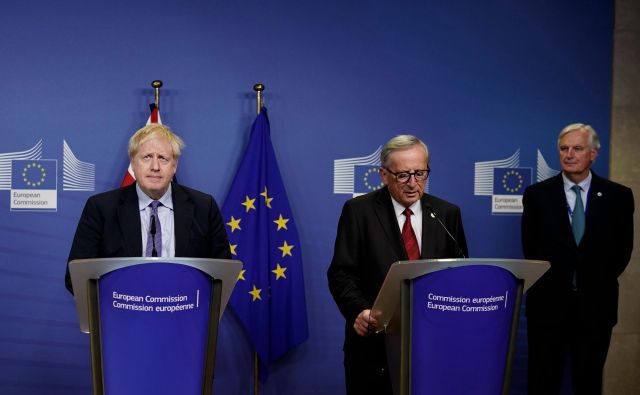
(491, 82)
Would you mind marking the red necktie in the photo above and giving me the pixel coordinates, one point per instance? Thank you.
(409, 237)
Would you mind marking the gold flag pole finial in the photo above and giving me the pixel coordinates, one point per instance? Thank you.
(259, 88)
(156, 85)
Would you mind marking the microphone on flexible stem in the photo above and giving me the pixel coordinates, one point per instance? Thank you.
(434, 216)
(153, 235)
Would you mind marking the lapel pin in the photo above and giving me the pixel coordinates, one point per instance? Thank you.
(599, 194)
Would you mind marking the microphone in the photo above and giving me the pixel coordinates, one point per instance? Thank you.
(434, 216)
(152, 230)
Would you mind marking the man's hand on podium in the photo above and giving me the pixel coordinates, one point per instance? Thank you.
(365, 323)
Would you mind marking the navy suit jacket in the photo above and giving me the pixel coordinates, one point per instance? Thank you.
(110, 226)
(603, 253)
(369, 240)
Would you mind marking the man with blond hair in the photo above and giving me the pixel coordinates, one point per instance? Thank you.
(123, 222)
(582, 224)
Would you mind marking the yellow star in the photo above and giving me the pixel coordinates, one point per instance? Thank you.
(281, 222)
(255, 293)
(241, 275)
(286, 249)
(267, 199)
(279, 271)
(248, 203)
(232, 247)
(234, 224)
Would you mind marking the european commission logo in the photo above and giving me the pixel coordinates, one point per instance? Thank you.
(366, 179)
(505, 181)
(33, 181)
(357, 176)
(33, 185)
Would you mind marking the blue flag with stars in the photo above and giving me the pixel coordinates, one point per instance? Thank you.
(269, 296)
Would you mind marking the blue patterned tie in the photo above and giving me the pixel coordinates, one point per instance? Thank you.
(577, 217)
(154, 237)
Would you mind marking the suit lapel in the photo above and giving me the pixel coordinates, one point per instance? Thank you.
(429, 228)
(182, 216)
(558, 204)
(129, 221)
(594, 202)
(387, 218)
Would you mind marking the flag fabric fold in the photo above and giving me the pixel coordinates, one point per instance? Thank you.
(269, 297)
(129, 178)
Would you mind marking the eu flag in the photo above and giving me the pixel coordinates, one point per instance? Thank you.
(269, 296)
(34, 174)
(511, 180)
(366, 178)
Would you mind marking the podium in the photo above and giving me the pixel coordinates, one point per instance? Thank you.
(153, 322)
(451, 324)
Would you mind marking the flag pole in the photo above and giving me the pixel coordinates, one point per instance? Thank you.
(258, 88)
(156, 85)
(256, 374)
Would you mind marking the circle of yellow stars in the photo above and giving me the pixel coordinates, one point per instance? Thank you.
(281, 223)
(27, 174)
(511, 174)
(372, 186)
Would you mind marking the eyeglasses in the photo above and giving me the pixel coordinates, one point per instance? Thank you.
(404, 177)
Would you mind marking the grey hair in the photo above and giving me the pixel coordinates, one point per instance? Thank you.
(399, 143)
(594, 140)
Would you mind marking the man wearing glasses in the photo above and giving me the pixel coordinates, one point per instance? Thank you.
(396, 223)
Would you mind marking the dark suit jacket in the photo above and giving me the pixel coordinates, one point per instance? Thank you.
(110, 226)
(369, 241)
(601, 257)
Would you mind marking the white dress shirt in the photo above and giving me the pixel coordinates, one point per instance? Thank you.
(416, 218)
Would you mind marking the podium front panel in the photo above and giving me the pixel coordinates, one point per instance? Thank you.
(154, 321)
(461, 323)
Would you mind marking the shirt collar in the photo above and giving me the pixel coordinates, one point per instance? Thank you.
(584, 184)
(144, 200)
(398, 208)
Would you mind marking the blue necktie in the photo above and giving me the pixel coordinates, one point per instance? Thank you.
(154, 237)
(577, 217)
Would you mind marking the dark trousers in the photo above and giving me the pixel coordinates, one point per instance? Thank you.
(365, 367)
(550, 343)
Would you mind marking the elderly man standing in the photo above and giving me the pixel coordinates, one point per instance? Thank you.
(153, 216)
(583, 225)
(398, 222)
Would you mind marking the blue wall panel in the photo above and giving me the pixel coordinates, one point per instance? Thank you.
(476, 80)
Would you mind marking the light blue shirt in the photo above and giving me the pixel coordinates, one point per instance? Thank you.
(571, 195)
(165, 215)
